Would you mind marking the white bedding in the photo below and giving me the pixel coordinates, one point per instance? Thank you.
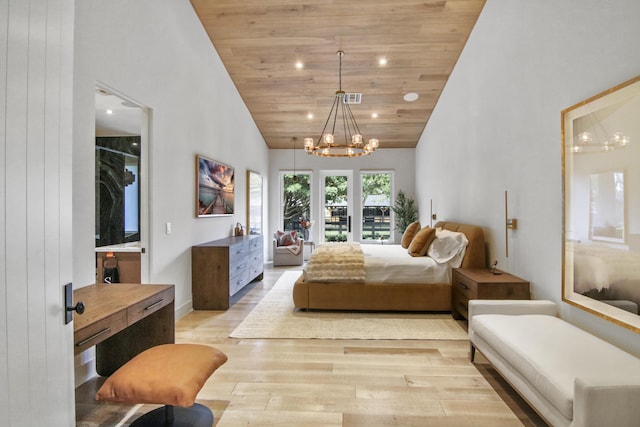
(393, 264)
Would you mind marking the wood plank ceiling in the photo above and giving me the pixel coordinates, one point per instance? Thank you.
(260, 42)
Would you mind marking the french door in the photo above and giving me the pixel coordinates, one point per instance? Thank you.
(336, 200)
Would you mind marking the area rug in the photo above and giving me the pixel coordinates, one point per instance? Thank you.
(276, 317)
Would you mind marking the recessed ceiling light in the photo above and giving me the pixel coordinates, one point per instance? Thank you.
(109, 111)
(374, 115)
(299, 65)
(410, 97)
(309, 116)
(382, 61)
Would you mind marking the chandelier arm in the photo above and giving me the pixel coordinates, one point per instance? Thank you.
(335, 115)
(327, 122)
(353, 119)
(344, 123)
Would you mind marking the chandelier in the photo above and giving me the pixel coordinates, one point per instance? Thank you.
(328, 144)
(585, 143)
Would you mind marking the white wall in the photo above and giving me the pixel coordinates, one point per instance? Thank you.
(400, 161)
(157, 52)
(497, 127)
(36, 79)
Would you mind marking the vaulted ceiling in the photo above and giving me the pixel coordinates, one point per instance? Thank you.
(260, 42)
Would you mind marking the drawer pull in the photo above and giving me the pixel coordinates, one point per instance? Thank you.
(92, 337)
(154, 305)
(462, 285)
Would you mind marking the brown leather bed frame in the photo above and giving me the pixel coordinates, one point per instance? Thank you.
(391, 296)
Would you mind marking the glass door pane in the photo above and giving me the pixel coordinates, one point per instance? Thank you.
(296, 200)
(376, 206)
(336, 203)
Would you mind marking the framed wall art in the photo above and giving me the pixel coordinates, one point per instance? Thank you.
(601, 168)
(215, 183)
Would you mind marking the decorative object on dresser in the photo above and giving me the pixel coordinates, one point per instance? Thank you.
(221, 268)
(482, 283)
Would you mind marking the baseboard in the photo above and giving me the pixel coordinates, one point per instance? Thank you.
(183, 310)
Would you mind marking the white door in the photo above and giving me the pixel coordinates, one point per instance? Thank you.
(36, 346)
(336, 202)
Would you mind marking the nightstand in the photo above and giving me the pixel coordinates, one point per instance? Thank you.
(480, 283)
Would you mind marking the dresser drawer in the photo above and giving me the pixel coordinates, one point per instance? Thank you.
(238, 282)
(464, 286)
(238, 251)
(99, 331)
(238, 267)
(255, 245)
(149, 306)
(256, 268)
(460, 304)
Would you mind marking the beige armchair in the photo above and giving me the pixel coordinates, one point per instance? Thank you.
(287, 254)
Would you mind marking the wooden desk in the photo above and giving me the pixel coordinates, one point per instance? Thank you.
(122, 320)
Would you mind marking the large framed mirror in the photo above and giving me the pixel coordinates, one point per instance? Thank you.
(601, 168)
(254, 202)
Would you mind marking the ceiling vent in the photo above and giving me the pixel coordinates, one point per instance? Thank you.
(352, 98)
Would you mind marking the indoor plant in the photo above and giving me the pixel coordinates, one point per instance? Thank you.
(405, 211)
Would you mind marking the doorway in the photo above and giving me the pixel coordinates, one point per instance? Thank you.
(122, 187)
(336, 195)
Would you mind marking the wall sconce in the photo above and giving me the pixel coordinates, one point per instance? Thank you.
(509, 223)
(432, 215)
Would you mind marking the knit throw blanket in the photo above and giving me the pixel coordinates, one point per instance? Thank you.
(335, 262)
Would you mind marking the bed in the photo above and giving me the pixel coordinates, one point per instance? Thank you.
(390, 291)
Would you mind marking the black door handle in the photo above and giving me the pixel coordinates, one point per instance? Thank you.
(79, 307)
(349, 224)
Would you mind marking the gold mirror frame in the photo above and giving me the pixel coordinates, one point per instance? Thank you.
(254, 202)
(601, 235)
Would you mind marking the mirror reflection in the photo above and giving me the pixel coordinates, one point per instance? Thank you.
(118, 144)
(601, 155)
(606, 217)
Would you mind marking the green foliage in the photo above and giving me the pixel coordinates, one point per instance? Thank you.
(335, 188)
(297, 200)
(406, 211)
(335, 237)
(374, 184)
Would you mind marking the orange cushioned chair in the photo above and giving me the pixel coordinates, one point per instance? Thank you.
(171, 375)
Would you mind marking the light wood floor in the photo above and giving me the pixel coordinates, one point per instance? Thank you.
(289, 382)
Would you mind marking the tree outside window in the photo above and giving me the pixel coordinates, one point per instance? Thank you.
(376, 206)
(296, 198)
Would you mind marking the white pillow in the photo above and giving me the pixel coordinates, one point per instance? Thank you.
(448, 246)
(589, 272)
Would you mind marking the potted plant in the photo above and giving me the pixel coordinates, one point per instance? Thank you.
(405, 211)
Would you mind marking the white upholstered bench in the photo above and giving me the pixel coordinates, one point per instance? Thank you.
(570, 377)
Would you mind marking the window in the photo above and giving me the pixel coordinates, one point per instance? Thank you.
(376, 205)
(296, 199)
